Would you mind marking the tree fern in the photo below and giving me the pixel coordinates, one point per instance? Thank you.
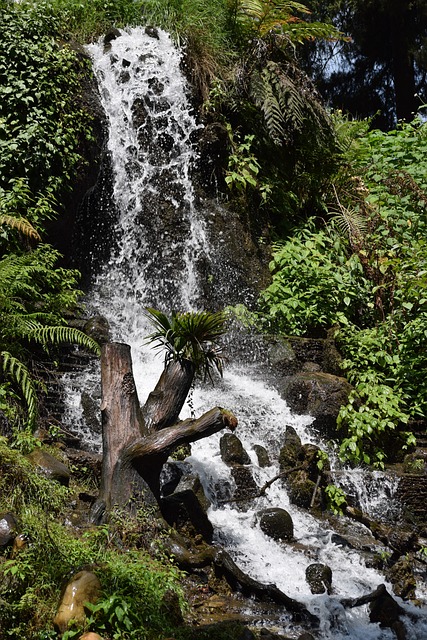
(18, 372)
(63, 334)
(22, 225)
(267, 16)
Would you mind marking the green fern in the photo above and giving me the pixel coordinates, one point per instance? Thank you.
(18, 372)
(63, 334)
(278, 16)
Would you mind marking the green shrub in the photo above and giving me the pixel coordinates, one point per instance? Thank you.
(315, 283)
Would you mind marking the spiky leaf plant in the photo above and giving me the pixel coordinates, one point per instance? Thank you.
(189, 336)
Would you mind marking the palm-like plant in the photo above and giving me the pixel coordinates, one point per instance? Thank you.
(189, 336)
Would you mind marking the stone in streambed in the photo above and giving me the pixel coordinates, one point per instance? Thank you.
(276, 523)
(8, 526)
(319, 578)
(232, 451)
(83, 587)
(262, 455)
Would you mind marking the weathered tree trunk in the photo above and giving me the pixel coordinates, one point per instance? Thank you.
(122, 424)
(137, 442)
(164, 404)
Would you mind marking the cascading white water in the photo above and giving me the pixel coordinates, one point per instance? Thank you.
(150, 127)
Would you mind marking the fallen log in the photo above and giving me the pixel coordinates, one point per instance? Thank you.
(238, 580)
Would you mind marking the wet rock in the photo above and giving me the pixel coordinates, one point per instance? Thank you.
(83, 587)
(232, 451)
(91, 412)
(276, 523)
(291, 454)
(319, 578)
(301, 489)
(170, 476)
(306, 636)
(153, 32)
(401, 575)
(262, 455)
(178, 548)
(412, 494)
(111, 35)
(310, 454)
(50, 466)
(186, 508)
(98, 328)
(320, 395)
(8, 527)
(281, 356)
(246, 487)
(385, 610)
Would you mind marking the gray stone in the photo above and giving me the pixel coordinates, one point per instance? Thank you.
(262, 455)
(319, 578)
(8, 526)
(276, 523)
(186, 508)
(246, 487)
(317, 394)
(291, 454)
(232, 451)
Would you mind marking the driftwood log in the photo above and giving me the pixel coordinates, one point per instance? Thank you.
(137, 441)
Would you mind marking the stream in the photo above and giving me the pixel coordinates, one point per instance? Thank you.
(160, 240)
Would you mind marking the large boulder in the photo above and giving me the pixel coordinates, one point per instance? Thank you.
(232, 451)
(186, 508)
(317, 394)
(276, 523)
(83, 587)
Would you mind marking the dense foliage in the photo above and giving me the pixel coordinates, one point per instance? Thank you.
(134, 582)
(43, 128)
(363, 271)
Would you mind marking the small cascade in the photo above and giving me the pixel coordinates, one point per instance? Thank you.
(157, 250)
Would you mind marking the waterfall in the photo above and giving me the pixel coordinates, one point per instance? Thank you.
(157, 248)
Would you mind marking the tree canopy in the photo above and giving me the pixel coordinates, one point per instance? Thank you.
(381, 70)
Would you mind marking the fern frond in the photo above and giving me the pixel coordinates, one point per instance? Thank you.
(20, 224)
(63, 334)
(351, 222)
(263, 96)
(19, 373)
